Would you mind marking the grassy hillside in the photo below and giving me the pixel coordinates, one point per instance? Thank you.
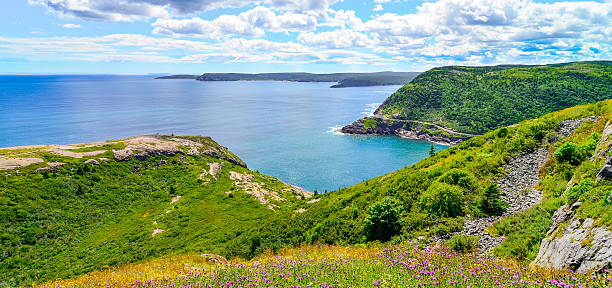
(124, 201)
(478, 99)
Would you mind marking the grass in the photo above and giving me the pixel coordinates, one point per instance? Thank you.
(332, 266)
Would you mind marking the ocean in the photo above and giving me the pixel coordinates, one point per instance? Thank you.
(283, 129)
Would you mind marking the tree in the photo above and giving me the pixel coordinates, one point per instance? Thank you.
(491, 202)
(432, 150)
(384, 219)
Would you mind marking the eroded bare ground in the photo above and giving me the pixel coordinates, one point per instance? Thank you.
(518, 188)
(247, 183)
(140, 147)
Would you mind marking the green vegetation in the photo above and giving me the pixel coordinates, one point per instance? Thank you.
(438, 191)
(384, 220)
(343, 79)
(79, 217)
(462, 243)
(478, 99)
(491, 202)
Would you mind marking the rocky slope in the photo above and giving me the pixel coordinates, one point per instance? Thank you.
(576, 242)
(518, 187)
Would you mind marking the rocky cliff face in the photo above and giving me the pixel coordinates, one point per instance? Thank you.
(409, 129)
(575, 244)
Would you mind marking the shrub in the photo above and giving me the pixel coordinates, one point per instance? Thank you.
(570, 152)
(461, 178)
(384, 219)
(462, 243)
(443, 199)
(575, 192)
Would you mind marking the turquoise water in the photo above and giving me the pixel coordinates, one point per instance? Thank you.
(281, 129)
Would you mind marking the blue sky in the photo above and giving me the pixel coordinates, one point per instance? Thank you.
(197, 36)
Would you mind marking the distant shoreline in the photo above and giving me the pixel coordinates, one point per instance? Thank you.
(342, 79)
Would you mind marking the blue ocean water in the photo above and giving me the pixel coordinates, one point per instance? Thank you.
(281, 129)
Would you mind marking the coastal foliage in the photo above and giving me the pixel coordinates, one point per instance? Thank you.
(438, 192)
(384, 220)
(479, 99)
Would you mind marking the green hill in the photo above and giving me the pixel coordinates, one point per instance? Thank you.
(473, 100)
(69, 209)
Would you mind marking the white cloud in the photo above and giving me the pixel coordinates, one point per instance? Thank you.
(72, 26)
(342, 18)
(378, 8)
(343, 38)
(465, 28)
(130, 10)
(439, 32)
(252, 23)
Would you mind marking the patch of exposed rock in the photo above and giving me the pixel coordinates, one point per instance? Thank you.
(420, 131)
(12, 163)
(246, 183)
(142, 147)
(580, 245)
(213, 170)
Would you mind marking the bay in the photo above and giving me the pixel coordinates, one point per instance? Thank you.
(283, 129)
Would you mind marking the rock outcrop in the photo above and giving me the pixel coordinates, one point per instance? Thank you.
(579, 245)
(139, 147)
(409, 129)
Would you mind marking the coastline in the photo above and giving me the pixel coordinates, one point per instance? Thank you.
(408, 129)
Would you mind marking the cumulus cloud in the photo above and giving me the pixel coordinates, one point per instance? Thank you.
(130, 10)
(438, 32)
(252, 23)
(472, 27)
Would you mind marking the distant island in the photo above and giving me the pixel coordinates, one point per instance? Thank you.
(343, 79)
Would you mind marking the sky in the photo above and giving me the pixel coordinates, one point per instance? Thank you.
(198, 36)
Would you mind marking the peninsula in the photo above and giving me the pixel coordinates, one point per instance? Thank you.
(342, 79)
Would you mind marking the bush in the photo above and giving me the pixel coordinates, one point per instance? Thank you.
(384, 219)
(443, 199)
(575, 192)
(570, 152)
(462, 243)
(461, 178)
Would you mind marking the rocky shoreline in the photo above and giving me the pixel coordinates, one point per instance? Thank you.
(399, 128)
